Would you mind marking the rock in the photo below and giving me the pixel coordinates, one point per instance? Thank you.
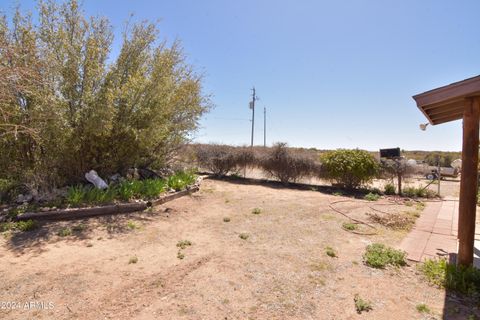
(23, 198)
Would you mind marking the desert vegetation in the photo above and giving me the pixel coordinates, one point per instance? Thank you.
(277, 244)
(346, 169)
(67, 107)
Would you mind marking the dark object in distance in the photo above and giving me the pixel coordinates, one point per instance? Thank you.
(390, 153)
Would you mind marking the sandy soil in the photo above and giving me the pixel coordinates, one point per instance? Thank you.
(280, 271)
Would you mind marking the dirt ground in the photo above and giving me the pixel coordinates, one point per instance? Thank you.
(280, 271)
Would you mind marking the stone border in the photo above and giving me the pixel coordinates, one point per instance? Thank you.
(78, 213)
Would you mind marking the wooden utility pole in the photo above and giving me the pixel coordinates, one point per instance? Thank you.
(252, 106)
(469, 182)
(264, 127)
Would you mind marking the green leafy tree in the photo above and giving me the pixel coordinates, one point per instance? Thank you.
(67, 107)
(349, 168)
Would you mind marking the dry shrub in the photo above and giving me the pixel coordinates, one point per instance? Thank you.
(282, 164)
(222, 159)
(396, 221)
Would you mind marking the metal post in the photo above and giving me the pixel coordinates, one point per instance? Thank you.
(439, 175)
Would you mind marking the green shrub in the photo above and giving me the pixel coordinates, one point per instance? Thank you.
(101, 112)
(127, 190)
(349, 168)
(180, 180)
(27, 225)
(371, 196)
(76, 195)
(419, 192)
(152, 188)
(5, 186)
(465, 280)
(389, 189)
(7, 226)
(379, 256)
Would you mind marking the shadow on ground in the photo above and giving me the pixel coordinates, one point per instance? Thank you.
(335, 190)
(458, 306)
(112, 226)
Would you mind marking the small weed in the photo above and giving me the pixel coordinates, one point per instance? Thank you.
(409, 203)
(330, 252)
(362, 305)
(79, 227)
(132, 225)
(389, 189)
(257, 211)
(226, 219)
(379, 256)
(349, 226)
(420, 206)
(337, 193)
(64, 232)
(133, 260)
(419, 192)
(20, 225)
(180, 255)
(183, 244)
(423, 308)
(465, 280)
(26, 225)
(371, 197)
(7, 226)
(320, 266)
(414, 214)
(244, 236)
(316, 280)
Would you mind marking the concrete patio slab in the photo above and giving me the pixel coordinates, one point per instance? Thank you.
(435, 232)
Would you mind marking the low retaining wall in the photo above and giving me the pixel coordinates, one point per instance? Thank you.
(69, 214)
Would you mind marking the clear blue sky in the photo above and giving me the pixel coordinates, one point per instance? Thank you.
(333, 74)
